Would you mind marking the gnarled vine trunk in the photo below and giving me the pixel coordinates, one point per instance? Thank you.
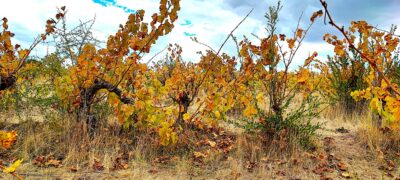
(7, 82)
(87, 99)
(184, 103)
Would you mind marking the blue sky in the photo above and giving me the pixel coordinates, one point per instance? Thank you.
(114, 3)
(208, 20)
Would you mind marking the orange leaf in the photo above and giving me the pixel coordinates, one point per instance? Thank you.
(316, 14)
(310, 59)
(299, 33)
(303, 75)
(291, 43)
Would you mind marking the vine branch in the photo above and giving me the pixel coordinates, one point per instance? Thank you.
(352, 46)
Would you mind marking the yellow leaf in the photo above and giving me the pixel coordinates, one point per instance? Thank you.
(357, 95)
(167, 135)
(250, 111)
(7, 138)
(199, 154)
(260, 97)
(310, 59)
(23, 53)
(217, 114)
(212, 143)
(127, 109)
(291, 43)
(13, 167)
(299, 33)
(173, 16)
(139, 104)
(303, 75)
(376, 105)
(339, 50)
(315, 15)
(186, 117)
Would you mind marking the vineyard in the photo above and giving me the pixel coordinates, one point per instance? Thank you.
(93, 110)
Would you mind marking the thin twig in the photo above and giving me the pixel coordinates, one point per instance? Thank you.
(155, 55)
(140, 52)
(219, 50)
(204, 44)
(386, 31)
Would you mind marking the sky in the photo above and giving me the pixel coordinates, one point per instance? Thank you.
(208, 20)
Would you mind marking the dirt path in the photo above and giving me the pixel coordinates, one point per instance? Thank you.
(350, 157)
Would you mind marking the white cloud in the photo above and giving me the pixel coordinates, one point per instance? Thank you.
(27, 18)
(307, 48)
(211, 21)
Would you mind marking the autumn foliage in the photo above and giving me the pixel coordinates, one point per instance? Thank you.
(259, 90)
(379, 50)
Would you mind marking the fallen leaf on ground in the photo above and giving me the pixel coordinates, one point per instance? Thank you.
(326, 178)
(73, 168)
(341, 166)
(97, 166)
(13, 167)
(153, 171)
(54, 163)
(199, 155)
(345, 175)
(39, 160)
(281, 173)
(329, 140)
(212, 143)
(162, 159)
(120, 163)
(250, 166)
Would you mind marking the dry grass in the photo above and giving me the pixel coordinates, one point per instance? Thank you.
(65, 140)
(252, 156)
(383, 141)
(374, 138)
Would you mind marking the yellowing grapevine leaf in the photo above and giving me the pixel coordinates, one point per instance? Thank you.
(357, 95)
(173, 16)
(299, 33)
(376, 105)
(260, 97)
(393, 107)
(7, 138)
(13, 167)
(217, 114)
(310, 59)
(127, 109)
(23, 53)
(339, 50)
(186, 117)
(167, 135)
(250, 111)
(291, 43)
(316, 14)
(302, 76)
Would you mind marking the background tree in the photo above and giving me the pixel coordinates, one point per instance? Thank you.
(69, 43)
